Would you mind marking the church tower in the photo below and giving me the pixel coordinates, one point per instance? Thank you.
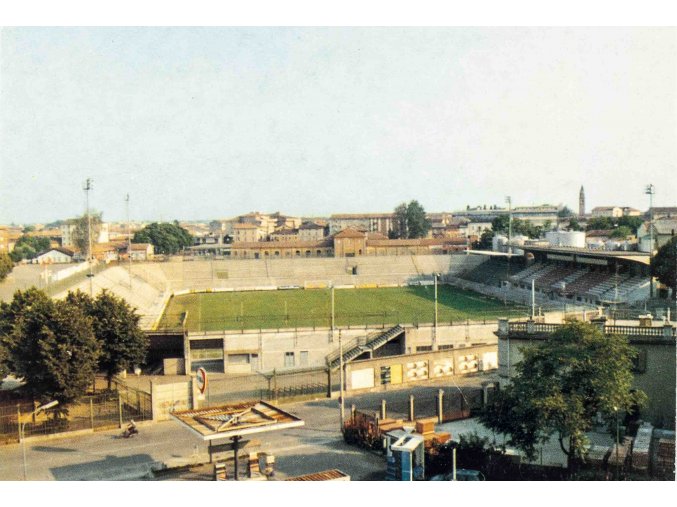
(581, 202)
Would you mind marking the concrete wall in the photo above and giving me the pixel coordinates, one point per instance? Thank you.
(170, 397)
(422, 366)
(271, 346)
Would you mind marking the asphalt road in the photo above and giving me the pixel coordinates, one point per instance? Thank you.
(316, 446)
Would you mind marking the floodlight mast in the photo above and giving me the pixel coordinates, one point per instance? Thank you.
(650, 190)
(87, 188)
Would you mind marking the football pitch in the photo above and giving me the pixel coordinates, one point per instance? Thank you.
(214, 311)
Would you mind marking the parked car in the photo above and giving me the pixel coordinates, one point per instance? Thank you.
(462, 474)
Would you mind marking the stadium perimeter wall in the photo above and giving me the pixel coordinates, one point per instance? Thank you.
(271, 347)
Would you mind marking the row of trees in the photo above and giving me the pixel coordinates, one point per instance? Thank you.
(622, 226)
(56, 346)
(28, 247)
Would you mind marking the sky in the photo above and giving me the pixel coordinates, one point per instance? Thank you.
(208, 123)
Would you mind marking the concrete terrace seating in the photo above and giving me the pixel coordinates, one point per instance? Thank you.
(147, 300)
(488, 273)
(625, 287)
(518, 277)
(554, 276)
(586, 282)
(540, 273)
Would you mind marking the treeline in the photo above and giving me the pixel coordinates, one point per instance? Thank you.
(57, 346)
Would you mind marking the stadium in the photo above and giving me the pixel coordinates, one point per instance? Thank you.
(236, 316)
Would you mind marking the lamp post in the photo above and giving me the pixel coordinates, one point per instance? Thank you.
(435, 322)
(508, 199)
(617, 440)
(23, 426)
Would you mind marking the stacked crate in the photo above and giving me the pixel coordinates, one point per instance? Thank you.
(640, 448)
(426, 428)
(663, 458)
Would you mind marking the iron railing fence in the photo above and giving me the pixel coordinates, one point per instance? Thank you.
(98, 412)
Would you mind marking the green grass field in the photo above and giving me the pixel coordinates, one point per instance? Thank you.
(312, 308)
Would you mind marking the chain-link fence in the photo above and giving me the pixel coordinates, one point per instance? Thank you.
(97, 412)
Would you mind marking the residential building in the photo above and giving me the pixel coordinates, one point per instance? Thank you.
(247, 233)
(367, 222)
(607, 211)
(311, 231)
(284, 234)
(664, 212)
(663, 230)
(141, 251)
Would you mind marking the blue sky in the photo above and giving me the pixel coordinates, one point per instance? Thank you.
(212, 122)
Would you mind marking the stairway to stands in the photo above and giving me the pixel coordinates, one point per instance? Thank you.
(358, 346)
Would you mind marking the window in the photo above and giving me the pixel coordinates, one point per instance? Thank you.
(447, 346)
(288, 359)
(304, 358)
(424, 348)
(238, 358)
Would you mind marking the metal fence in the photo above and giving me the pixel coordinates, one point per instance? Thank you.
(272, 386)
(97, 412)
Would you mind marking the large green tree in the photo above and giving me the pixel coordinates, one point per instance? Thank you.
(664, 265)
(28, 247)
(621, 232)
(167, 238)
(6, 265)
(418, 223)
(600, 223)
(399, 229)
(53, 348)
(560, 386)
(410, 221)
(116, 327)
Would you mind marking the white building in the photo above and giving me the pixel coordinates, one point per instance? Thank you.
(55, 256)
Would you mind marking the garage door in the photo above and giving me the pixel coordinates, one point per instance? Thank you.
(362, 379)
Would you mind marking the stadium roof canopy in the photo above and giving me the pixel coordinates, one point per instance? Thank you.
(565, 252)
(489, 253)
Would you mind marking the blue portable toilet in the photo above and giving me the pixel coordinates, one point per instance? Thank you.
(405, 457)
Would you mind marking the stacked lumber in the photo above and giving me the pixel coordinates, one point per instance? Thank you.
(640, 448)
(663, 462)
(386, 425)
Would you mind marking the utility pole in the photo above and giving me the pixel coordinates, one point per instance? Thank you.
(129, 242)
(650, 190)
(508, 199)
(435, 321)
(332, 314)
(87, 188)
